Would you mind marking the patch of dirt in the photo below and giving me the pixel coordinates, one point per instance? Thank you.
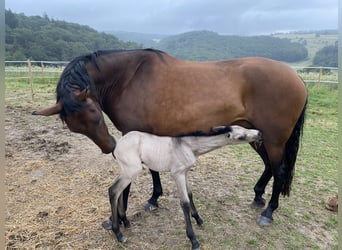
(57, 197)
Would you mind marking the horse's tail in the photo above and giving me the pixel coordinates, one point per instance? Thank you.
(290, 153)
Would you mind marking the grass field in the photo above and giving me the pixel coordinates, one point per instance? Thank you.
(301, 221)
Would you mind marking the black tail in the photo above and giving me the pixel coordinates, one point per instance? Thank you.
(290, 154)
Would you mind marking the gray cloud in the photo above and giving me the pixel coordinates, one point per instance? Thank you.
(176, 16)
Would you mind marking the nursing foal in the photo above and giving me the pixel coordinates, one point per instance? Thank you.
(176, 155)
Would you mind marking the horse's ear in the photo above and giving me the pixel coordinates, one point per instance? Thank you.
(53, 110)
(82, 95)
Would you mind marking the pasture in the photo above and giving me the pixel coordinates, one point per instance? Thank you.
(57, 186)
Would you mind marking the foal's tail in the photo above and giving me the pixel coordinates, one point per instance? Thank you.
(290, 153)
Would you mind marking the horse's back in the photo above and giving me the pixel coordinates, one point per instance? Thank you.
(170, 96)
(199, 95)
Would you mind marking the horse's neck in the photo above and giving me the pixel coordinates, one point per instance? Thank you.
(204, 144)
(112, 74)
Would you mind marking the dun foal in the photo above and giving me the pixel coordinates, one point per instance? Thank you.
(168, 154)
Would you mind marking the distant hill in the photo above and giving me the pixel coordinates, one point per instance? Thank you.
(42, 38)
(210, 45)
(312, 40)
(207, 45)
(144, 39)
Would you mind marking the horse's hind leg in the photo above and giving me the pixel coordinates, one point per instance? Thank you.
(277, 163)
(152, 203)
(260, 186)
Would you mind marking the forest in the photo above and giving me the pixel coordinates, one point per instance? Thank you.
(43, 38)
(327, 56)
(208, 45)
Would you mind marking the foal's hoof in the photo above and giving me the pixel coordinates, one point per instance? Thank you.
(199, 221)
(122, 239)
(149, 207)
(195, 246)
(107, 224)
(127, 223)
(264, 221)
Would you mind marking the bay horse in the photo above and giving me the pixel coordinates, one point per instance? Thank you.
(150, 91)
(168, 154)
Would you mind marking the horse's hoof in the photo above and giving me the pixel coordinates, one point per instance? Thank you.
(264, 221)
(107, 224)
(150, 207)
(258, 204)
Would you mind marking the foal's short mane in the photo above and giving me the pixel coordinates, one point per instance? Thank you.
(218, 131)
(75, 76)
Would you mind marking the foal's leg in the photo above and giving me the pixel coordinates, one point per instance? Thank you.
(115, 192)
(122, 202)
(181, 182)
(193, 209)
(152, 203)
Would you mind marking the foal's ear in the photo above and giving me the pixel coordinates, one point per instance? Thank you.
(218, 129)
(81, 95)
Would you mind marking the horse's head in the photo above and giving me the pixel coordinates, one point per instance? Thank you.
(87, 119)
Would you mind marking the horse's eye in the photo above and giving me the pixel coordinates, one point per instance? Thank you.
(228, 135)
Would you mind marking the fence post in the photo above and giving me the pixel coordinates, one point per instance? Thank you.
(30, 78)
(320, 75)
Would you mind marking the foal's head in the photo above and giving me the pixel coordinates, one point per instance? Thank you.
(238, 134)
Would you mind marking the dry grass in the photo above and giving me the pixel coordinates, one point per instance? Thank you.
(57, 198)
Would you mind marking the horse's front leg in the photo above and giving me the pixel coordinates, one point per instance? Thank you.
(152, 203)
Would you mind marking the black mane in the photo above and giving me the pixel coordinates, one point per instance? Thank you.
(74, 75)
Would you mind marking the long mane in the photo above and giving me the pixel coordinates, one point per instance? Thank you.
(74, 76)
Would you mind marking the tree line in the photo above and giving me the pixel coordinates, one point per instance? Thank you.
(327, 56)
(208, 45)
(42, 38)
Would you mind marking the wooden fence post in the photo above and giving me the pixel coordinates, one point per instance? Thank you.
(30, 78)
(319, 76)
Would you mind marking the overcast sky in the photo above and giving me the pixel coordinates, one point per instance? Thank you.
(241, 17)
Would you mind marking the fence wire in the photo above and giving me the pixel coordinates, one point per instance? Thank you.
(33, 70)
